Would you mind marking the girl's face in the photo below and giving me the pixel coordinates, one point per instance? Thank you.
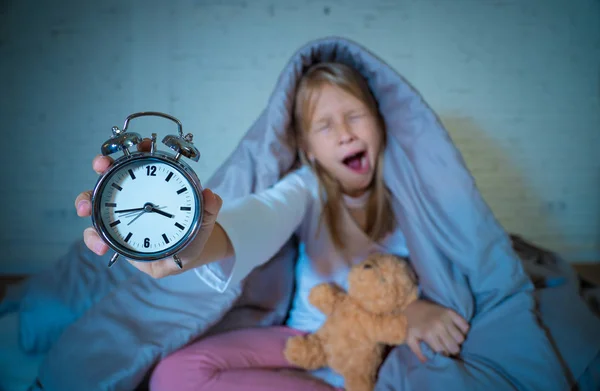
(343, 137)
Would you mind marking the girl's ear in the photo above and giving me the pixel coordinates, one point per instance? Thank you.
(304, 150)
(308, 157)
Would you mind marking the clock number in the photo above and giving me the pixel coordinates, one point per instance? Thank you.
(151, 170)
(147, 242)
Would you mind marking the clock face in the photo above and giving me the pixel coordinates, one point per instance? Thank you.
(147, 206)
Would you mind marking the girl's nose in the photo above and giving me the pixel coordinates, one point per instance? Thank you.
(345, 134)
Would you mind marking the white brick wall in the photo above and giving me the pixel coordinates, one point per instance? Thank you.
(515, 81)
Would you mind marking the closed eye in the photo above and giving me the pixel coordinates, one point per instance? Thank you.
(321, 126)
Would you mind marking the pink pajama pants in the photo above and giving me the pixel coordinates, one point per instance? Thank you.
(244, 360)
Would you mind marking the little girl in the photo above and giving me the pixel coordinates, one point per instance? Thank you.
(337, 205)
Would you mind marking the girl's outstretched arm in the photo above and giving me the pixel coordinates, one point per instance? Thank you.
(252, 229)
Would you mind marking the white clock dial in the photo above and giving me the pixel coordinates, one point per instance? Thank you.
(148, 206)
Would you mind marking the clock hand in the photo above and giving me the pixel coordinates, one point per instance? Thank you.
(136, 217)
(137, 211)
(128, 214)
(150, 208)
(160, 212)
(129, 210)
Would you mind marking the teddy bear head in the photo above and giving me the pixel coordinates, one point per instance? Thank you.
(382, 283)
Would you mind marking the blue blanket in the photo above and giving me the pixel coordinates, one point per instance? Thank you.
(104, 329)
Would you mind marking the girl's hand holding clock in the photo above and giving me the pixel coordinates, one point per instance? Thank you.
(210, 244)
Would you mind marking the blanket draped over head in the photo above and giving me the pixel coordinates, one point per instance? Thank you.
(104, 329)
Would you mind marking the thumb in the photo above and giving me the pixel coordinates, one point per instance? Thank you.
(212, 206)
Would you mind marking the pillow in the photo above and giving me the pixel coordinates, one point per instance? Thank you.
(53, 299)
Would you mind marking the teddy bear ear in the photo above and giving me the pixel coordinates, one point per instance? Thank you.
(408, 269)
(374, 254)
(411, 273)
(404, 259)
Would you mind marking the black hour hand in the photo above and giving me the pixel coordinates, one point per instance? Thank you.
(160, 212)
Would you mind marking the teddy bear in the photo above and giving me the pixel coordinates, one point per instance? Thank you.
(360, 323)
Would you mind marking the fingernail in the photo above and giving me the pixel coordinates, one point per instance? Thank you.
(98, 248)
(81, 204)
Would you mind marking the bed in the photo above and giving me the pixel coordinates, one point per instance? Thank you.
(18, 370)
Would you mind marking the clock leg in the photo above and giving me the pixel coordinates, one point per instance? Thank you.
(113, 259)
(177, 261)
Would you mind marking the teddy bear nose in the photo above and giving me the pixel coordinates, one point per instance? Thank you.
(367, 266)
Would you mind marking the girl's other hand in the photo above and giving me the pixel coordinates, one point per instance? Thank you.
(441, 328)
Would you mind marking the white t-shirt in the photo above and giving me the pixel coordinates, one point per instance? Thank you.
(260, 224)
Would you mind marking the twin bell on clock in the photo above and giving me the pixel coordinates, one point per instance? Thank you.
(148, 205)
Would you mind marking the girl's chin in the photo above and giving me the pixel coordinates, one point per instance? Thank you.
(356, 188)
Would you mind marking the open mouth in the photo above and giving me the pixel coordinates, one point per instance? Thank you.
(357, 162)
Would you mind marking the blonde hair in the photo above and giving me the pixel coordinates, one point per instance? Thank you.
(380, 216)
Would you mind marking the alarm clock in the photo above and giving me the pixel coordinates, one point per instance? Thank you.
(148, 205)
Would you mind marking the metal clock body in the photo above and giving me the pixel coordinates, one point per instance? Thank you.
(148, 205)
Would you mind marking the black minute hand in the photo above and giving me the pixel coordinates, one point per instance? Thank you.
(128, 210)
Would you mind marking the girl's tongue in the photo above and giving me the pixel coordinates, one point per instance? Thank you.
(358, 163)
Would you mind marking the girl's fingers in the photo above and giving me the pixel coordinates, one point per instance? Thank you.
(413, 344)
(101, 163)
(145, 145)
(93, 241)
(449, 344)
(212, 205)
(83, 204)
(460, 322)
(455, 333)
(434, 343)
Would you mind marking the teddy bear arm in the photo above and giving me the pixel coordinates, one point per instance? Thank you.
(324, 297)
(390, 329)
(305, 351)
